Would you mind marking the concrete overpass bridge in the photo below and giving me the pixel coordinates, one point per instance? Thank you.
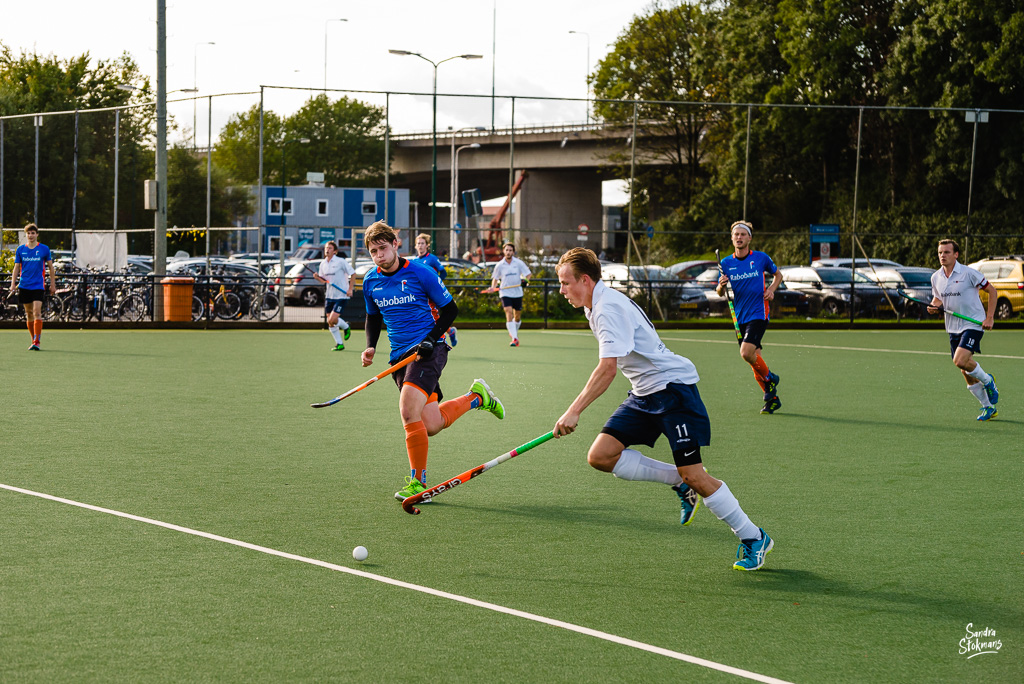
(566, 163)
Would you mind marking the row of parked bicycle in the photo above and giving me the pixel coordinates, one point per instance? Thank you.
(129, 297)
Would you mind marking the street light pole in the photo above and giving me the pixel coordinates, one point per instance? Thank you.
(453, 240)
(195, 88)
(281, 225)
(325, 48)
(433, 167)
(584, 33)
(453, 253)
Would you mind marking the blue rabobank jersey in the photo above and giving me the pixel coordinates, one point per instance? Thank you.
(746, 277)
(433, 262)
(408, 299)
(32, 261)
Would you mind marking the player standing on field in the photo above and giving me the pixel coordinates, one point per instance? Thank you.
(663, 400)
(410, 299)
(423, 254)
(955, 288)
(30, 262)
(508, 277)
(744, 270)
(336, 274)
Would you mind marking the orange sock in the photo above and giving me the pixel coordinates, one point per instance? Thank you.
(39, 328)
(760, 371)
(453, 409)
(417, 443)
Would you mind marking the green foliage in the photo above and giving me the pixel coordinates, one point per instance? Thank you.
(346, 143)
(32, 83)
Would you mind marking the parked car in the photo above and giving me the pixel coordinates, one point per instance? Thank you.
(846, 262)
(688, 270)
(828, 290)
(300, 287)
(641, 280)
(1006, 273)
(455, 265)
(303, 252)
(915, 281)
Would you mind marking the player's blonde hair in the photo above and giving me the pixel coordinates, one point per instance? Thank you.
(425, 236)
(379, 232)
(31, 226)
(745, 225)
(583, 262)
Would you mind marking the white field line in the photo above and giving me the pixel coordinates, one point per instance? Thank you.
(809, 346)
(416, 587)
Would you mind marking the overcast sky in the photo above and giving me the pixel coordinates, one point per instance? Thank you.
(282, 44)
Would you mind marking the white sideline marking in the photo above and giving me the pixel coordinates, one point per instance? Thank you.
(812, 346)
(416, 587)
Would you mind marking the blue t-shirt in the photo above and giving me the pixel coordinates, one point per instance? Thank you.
(408, 299)
(32, 261)
(433, 262)
(746, 277)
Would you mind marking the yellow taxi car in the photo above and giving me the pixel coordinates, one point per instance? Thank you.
(1006, 273)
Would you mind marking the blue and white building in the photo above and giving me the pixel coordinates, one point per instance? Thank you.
(313, 214)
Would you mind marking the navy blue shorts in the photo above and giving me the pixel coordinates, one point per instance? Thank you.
(753, 331)
(676, 412)
(425, 374)
(515, 303)
(334, 306)
(968, 339)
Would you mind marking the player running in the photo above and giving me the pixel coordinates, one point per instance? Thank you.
(507, 278)
(423, 254)
(410, 299)
(955, 287)
(30, 262)
(744, 270)
(663, 400)
(336, 273)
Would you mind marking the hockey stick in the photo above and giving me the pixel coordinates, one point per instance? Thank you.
(328, 283)
(387, 371)
(492, 290)
(732, 309)
(902, 293)
(409, 505)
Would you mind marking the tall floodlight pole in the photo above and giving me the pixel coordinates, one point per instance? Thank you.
(494, 59)
(453, 239)
(584, 33)
(160, 217)
(325, 48)
(433, 166)
(195, 87)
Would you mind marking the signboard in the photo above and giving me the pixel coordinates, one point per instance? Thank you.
(458, 228)
(305, 235)
(583, 229)
(824, 239)
(650, 231)
(314, 176)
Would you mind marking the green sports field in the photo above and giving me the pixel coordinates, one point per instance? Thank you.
(897, 517)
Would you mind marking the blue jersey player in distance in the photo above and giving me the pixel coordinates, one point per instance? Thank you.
(410, 299)
(423, 255)
(744, 271)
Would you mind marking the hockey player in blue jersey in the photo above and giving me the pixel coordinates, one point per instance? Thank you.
(744, 271)
(409, 298)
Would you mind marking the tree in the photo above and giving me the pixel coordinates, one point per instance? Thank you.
(238, 150)
(30, 83)
(667, 54)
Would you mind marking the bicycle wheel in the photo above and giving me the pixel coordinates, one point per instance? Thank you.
(226, 305)
(197, 308)
(74, 307)
(266, 306)
(132, 309)
(53, 307)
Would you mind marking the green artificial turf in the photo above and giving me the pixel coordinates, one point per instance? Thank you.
(897, 517)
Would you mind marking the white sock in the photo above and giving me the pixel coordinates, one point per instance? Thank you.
(980, 375)
(978, 390)
(336, 333)
(725, 507)
(511, 327)
(632, 465)
(518, 324)
(343, 324)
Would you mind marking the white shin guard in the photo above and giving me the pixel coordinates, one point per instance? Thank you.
(632, 465)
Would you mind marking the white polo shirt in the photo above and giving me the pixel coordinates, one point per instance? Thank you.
(336, 272)
(510, 276)
(959, 293)
(624, 332)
